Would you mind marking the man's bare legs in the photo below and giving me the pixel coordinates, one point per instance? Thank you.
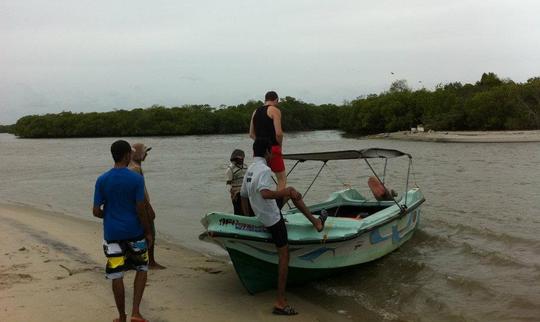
(119, 298)
(300, 205)
(152, 264)
(138, 289)
(283, 270)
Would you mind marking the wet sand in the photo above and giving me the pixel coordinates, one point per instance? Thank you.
(52, 269)
(463, 136)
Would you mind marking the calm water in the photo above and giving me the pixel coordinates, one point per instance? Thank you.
(476, 256)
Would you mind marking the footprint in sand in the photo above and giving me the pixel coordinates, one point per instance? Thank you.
(17, 267)
(9, 279)
(208, 270)
(73, 271)
(41, 249)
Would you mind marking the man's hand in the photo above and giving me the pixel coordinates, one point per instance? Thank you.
(150, 240)
(151, 213)
(97, 212)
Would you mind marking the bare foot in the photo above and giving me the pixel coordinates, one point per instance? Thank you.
(120, 319)
(155, 265)
(280, 304)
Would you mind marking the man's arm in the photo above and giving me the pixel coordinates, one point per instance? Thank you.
(275, 114)
(245, 206)
(140, 203)
(229, 176)
(149, 209)
(296, 198)
(97, 211)
(145, 221)
(270, 194)
(252, 128)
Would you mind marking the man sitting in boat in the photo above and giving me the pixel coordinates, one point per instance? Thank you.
(257, 188)
(380, 192)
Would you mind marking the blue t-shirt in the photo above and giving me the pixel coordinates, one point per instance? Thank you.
(119, 190)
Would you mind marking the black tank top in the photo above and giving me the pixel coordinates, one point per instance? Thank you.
(264, 125)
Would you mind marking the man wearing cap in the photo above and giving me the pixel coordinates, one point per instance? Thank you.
(235, 175)
(140, 151)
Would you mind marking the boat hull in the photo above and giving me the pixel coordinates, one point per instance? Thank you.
(343, 244)
(257, 275)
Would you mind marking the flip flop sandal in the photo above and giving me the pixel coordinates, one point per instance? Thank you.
(136, 319)
(287, 310)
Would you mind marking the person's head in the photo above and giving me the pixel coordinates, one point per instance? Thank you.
(121, 152)
(262, 147)
(140, 151)
(271, 97)
(238, 156)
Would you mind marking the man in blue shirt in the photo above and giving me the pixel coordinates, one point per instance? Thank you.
(119, 201)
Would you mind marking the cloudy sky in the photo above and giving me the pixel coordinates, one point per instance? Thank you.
(101, 55)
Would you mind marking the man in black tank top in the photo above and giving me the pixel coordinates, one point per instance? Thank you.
(266, 123)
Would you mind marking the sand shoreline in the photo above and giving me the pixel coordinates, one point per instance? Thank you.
(463, 136)
(53, 270)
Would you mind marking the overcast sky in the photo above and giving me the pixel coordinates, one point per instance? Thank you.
(100, 55)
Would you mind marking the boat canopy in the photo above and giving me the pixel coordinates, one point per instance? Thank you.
(346, 155)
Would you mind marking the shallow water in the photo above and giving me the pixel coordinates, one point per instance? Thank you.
(475, 257)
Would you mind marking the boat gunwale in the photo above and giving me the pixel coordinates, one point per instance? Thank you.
(320, 241)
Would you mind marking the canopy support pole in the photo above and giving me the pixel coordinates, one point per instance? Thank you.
(384, 172)
(407, 184)
(312, 182)
(294, 166)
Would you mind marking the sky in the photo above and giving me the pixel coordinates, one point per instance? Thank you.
(84, 56)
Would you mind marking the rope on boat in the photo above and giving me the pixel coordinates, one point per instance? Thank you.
(407, 184)
(346, 185)
(325, 236)
(312, 182)
(414, 175)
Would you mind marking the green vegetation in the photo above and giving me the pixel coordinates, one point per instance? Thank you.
(5, 128)
(489, 104)
(159, 120)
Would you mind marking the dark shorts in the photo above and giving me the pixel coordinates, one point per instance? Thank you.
(279, 233)
(237, 206)
(124, 255)
(276, 162)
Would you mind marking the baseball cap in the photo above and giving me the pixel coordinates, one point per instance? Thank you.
(139, 150)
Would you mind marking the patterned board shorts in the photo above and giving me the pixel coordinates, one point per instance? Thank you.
(125, 255)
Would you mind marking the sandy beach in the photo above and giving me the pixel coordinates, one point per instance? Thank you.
(52, 269)
(463, 136)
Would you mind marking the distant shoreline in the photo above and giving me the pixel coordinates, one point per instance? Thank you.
(463, 136)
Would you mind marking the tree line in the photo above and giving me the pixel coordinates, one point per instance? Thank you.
(5, 128)
(489, 104)
(185, 120)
